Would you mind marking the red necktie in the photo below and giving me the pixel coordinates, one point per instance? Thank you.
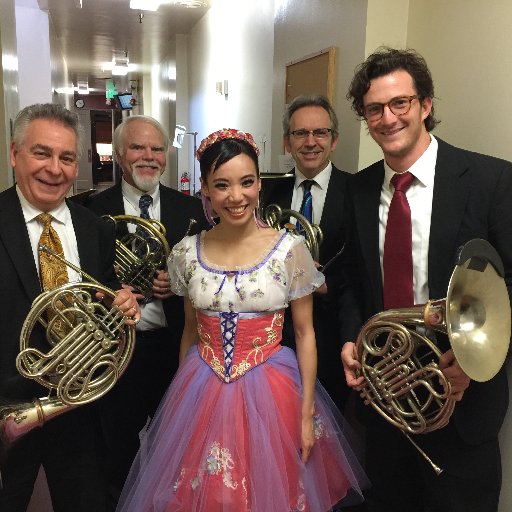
(398, 277)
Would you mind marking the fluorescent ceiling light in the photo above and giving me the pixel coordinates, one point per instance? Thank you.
(120, 70)
(145, 5)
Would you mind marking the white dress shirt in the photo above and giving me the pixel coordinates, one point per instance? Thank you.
(419, 195)
(318, 191)
(152, 313)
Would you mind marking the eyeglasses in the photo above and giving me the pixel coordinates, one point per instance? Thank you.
(319, 133)
(398, 106)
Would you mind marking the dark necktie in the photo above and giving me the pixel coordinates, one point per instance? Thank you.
(397, 259)
(145, 202)
(306, 208)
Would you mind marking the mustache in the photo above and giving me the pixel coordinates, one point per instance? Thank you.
(146, 163)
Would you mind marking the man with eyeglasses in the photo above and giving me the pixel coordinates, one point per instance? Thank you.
(447, 197)
(310, 130)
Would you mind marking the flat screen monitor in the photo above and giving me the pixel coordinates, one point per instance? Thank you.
(124, 101)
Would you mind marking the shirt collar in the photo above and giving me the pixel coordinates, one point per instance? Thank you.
(423, 169)
(61, 214)
(132, 194)
(321, 179)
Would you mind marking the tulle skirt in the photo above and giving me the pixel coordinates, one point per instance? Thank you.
(217, 447)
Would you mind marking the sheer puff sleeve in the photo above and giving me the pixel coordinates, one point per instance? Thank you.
(177, 266)
(304, 278)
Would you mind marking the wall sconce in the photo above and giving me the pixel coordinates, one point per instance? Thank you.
(222, 88)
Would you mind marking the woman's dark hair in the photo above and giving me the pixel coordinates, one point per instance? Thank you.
(383, 62)
(221, 152)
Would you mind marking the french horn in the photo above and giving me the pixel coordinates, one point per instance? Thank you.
(89, 346)
(139, 254)
(399, 359)
(279, 218)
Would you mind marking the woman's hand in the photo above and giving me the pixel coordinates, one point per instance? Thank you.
(307, 437)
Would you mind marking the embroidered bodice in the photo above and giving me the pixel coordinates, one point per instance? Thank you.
(253, 297)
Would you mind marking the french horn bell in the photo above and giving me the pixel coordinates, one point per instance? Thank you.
(399, 356)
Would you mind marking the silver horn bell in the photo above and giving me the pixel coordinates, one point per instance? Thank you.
(399, 358)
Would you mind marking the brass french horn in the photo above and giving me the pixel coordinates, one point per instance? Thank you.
(399, 358)
(139, 254)
(89, 348)
(279, 218)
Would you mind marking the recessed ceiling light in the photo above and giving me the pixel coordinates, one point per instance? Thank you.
(145, 5)
(191, 4)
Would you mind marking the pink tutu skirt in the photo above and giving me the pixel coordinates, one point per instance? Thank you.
(217, 447)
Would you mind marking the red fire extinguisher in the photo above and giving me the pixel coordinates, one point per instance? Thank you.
(185, 183)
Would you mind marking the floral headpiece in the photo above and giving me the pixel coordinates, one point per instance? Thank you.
(226, 133)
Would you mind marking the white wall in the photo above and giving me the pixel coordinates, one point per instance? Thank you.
(8, 87)
(233, 42)
(467, 46)
(34, 64)
(380, 17)
(303, 27)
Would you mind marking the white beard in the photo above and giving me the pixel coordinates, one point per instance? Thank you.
(145, 183)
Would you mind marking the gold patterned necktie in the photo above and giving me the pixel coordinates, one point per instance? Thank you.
(53, 272)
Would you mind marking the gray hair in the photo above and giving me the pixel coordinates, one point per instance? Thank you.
(119, 132)
(316, 100)
(49, 112)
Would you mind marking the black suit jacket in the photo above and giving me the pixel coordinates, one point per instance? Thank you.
(20, 282)
(472, 199)
(325, 317)
(176, 210)
(280, 191)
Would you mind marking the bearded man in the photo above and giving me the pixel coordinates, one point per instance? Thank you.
(140, 148)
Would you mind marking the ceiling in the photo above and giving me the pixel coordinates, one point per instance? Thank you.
(91, 35)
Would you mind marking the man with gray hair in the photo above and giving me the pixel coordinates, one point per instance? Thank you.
(140, 147)
(317, 188)
(44, 155)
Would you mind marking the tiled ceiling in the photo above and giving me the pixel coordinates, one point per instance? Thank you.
(92, 34)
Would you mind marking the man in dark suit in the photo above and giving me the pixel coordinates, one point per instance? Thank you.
(454, 196)
(310, 129)
(140, 145)
(44, 155)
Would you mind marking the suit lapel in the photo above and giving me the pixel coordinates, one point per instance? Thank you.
(86, 243)
(366, 201)
(331, 222)
(14, 234)
(452, 174)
